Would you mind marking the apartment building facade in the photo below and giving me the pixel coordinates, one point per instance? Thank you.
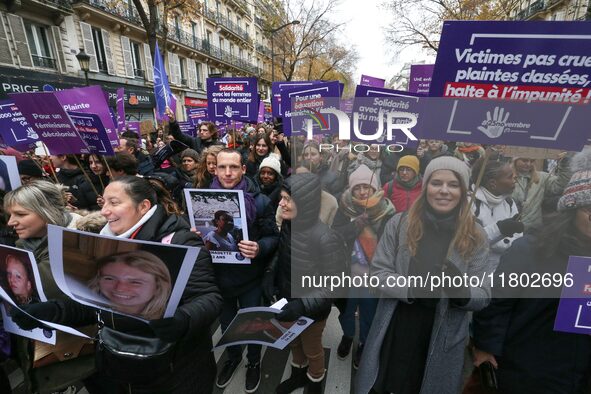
(551, 10)
(39, 41)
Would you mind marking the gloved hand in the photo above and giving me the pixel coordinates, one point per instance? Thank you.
(361, 221)
(510, 226)
(171, 329)
(48, 311)
(459, 294)
(269, 289)
(291, 311)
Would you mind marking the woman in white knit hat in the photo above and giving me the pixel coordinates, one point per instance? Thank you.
(516, 332)
(269, 179)
(417, 339)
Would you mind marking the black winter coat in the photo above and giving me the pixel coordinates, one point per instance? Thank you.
(74, 179)
(88, 196)
(194, 365)
(532, 357)
(307, 247)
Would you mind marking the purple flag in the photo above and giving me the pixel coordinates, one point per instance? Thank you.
(232, 99)
(120, 103)
(162, 93)
(135, 127)
(91, 129)
(14, 129)
(261, 117)
(366, 80)
(90, 100)
(420, 78)
(46, 115)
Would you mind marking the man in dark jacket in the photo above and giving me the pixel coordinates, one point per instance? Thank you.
(240, 285)
(208, 134)
(130, 144)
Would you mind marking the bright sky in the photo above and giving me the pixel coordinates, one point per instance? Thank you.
(366, 21)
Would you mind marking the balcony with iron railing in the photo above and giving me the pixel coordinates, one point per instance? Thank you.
(121, 10)
(535, 8)
(44, 62)
(139, 73)
(263, 49)
(65, 6)
(226, 23)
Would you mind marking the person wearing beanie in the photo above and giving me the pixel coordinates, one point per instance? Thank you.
(417, 339)
(534, 189)
(29, 171)
(269, 179)
(360, 219)
(406, 186)
(307, 247)
(315, 162)
(371, 159)
(262, 149)
(516, 333)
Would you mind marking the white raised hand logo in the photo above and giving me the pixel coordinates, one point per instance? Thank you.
(494, 126)
(228, 111)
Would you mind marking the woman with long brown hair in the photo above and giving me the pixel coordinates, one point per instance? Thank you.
(417, 339)
(205, 171)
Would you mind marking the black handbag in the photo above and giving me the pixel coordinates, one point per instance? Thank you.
(133, 359)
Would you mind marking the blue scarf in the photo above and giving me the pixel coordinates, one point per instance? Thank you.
(251, 210)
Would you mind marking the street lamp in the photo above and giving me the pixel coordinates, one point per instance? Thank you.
(84, 61)
(273, 31)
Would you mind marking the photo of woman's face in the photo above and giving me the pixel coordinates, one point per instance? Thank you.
(129, 289)
(18, 279)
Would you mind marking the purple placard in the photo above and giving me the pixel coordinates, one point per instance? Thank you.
(196, 115)
(232, 99)
(44, 112)
(90, 100)
(276, 87)
(420, 78)
(188, 128)
(135, 127)
(120, 103)
(539, 125)
(514, 60)
(346, 106)
(14, 129)
(370, 100)
(312, 98)
(574, 310)
(366, 80)
(93, 133)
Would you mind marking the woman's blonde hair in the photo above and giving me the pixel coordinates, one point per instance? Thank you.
(467, 237)
(533, 173)
(44, 198)
(148, 263)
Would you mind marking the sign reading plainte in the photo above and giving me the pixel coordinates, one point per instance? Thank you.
(232, 99)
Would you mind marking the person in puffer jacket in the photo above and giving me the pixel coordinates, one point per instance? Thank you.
(307, 247)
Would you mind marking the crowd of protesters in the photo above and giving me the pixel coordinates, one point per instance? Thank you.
(457, 208)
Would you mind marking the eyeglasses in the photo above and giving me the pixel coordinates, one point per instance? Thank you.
(405, 169)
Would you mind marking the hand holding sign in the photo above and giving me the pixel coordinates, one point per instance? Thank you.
(168, 112)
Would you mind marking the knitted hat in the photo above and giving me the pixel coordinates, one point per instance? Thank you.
(193, 154)
(363, 175)
(409, 161)
(447, 163)
(29, 168)
(577, 193)
(272, 162)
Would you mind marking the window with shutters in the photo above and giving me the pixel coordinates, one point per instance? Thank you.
(40, 46)
(183, 71)
(199, 72)
(99, 49)
(136, 59)
(194, 30)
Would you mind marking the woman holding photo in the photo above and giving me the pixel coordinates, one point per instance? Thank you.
(133, 211)
(417, 339)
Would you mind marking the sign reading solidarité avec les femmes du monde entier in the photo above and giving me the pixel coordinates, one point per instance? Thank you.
(515, 83)
(232, 99)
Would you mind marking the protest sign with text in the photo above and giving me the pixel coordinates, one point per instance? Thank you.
(14, 129)
(277, 87)
(574, 310)
(46, 115)
(420, 78)
(232, 99)
(374, 82)
(90, 127)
